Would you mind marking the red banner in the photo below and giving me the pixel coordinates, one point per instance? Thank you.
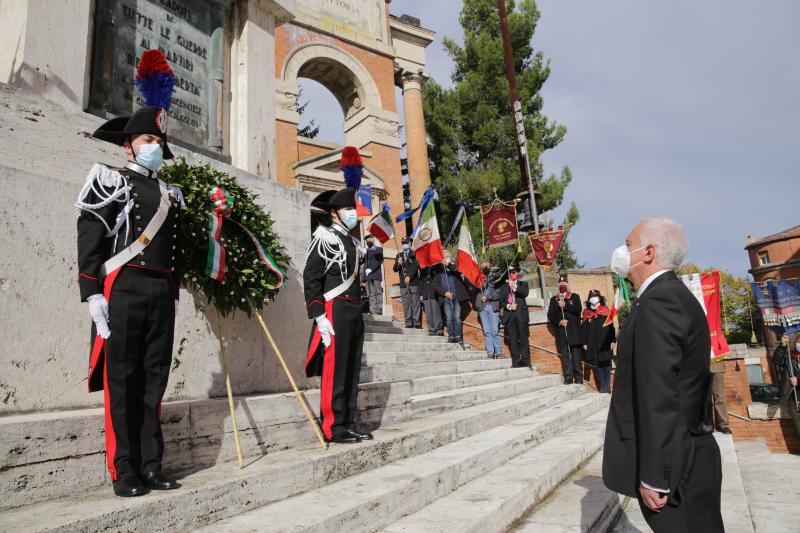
(711, 295)
(500, 223)
(546, 244)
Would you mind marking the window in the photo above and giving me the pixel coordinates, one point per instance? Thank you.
(763, 258)
(754, 373)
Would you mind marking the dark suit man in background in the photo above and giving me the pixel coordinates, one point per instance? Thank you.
(515, 317)
(407, 266)
(659, 445)
(564, 313)
(373, 276)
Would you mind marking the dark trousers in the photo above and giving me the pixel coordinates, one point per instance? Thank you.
(572, 364)
(518, 334)
(433, 314)
(138, 358)
(699, 509)
(341, 369)
(602, 374)
(411, 306)
(452, 312)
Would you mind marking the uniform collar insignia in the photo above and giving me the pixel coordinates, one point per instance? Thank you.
(139, 169)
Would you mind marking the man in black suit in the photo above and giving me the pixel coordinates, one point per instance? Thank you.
(407, 266)
(515, 317)
(373, 276)
(659, 446)
(564, 313)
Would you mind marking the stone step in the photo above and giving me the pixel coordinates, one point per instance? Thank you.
(419, 337)
(396, 330)
(411, 371)
(369, 317)
(375, 498)
(416, 357)
(432, 384)
(496, 500)
(399, 345)
(53, 454)
(773, 504)
(224, 490)
(580, 504)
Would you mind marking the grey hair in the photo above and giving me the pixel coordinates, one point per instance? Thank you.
(669, 239)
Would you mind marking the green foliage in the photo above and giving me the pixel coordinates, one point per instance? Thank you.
(248, 284)
(738, 306)
(470, 127)
(565, 258)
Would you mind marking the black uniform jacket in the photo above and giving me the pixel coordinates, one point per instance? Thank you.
(661, 399)
(572, 313)
(410, 268)
(317, 281)
(519, 298)
(95, 247)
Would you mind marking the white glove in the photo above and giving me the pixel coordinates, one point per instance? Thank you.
(325, 329)
(367, 271)
(98, 309)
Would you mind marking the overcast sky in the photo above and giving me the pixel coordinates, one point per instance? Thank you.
(686, 109)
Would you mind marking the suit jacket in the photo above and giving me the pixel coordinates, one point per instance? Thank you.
(373, 262)
(410, 268)
(519, 298)
(661, 399)
(492, 296)
(572, 313)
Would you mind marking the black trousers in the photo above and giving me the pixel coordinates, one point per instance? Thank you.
(138, 359)
(518, 335)
(342, 368)
(699, 509)
(572, 364)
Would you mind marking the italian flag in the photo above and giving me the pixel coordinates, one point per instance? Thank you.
(620, 296)
(381, 226)
(427, 244)
(465, 257)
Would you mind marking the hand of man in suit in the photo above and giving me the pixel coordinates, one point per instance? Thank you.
(563, 323)
(406, 280)
(448, 295)
(399, 259)
(653, 499)
(561, 304)
(513, 307)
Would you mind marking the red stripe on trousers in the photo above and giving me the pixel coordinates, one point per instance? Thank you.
(328, 367)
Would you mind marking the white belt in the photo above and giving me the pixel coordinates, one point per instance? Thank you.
(149, 233)
(339, 289)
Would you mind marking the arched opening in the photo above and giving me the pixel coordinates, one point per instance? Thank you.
(321, 115)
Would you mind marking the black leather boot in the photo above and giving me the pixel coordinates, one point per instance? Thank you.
(129, 486)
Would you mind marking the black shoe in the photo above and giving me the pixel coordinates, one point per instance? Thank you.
(346, 438)
(129, 486)
(451, 339)
(157, 481)
(459, 340)
(360, 435)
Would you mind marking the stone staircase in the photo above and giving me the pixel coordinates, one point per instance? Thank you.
(462, 443)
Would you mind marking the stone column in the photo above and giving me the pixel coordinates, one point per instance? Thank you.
(416, 143)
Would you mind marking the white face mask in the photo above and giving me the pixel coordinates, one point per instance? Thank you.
(621, 260)
(594, 300)
(349, 218)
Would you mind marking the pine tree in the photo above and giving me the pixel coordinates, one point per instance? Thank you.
(472, 138)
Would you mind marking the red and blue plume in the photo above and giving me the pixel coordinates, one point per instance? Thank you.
(155, 79)
(352, 167)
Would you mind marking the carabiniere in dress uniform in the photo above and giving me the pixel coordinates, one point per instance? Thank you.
(129, 262)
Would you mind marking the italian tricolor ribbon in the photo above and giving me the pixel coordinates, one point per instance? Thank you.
(215, 266)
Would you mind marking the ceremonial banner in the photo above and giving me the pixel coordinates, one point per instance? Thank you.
(710, 282)
(705, 288)
(787, 300)
(500, 223)
(546, 244)
(364, 201)
(765, 298)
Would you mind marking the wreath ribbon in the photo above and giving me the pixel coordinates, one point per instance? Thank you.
(216, 264)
